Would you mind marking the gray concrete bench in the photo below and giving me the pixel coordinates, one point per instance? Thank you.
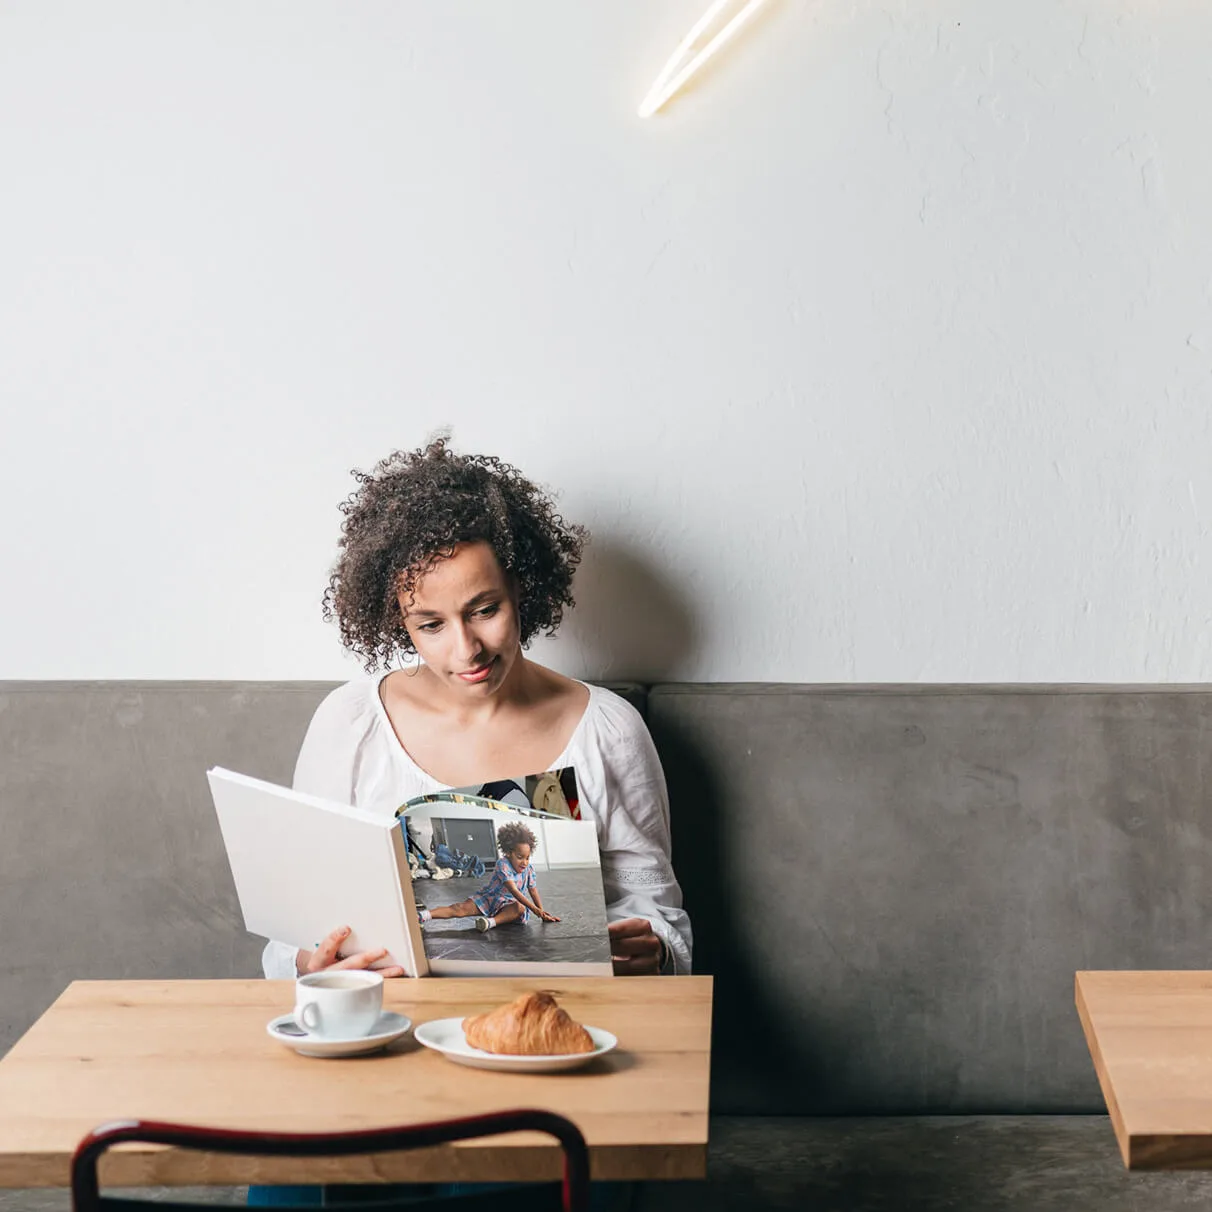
(892, 885)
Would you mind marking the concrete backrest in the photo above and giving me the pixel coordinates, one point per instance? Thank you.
(893, 886)
(111, 862)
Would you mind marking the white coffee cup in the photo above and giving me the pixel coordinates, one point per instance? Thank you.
(343, 1004)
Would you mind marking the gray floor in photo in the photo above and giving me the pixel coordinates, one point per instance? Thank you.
(573, 894)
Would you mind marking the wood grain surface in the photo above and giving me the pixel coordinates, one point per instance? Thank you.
(197, 1052)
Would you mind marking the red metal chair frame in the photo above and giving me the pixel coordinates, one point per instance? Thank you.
(86, 1196)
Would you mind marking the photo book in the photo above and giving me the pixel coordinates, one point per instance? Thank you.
(500, 879)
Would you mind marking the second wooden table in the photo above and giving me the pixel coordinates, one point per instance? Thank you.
(1150, 1036)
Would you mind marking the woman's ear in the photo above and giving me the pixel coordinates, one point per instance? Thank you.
(401, 631)
(514, 588)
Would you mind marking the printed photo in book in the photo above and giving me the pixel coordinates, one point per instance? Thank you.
(507, 873)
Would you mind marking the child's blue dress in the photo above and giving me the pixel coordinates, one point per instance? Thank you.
(494, 896)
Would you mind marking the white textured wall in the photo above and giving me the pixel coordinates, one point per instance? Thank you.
(884, 355)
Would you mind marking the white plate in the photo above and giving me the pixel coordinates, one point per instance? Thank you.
(389, 1027)
(445, 1035)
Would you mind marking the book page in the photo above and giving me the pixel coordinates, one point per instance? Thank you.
(463, 859)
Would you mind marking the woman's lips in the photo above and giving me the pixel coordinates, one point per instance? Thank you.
(478, 674)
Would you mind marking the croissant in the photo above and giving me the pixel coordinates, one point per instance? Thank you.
(532, 1025)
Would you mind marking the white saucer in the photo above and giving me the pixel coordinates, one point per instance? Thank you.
(445, 1035)
(389, 1027)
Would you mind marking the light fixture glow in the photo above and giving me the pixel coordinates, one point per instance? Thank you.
(671, 78)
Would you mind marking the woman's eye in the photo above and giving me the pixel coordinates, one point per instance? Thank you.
(430, 627)
(486, 612)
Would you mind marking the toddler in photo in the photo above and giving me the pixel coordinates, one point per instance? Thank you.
(511, 895)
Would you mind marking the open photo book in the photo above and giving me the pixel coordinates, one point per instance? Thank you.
(437, 883)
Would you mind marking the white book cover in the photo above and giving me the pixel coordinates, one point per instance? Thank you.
(303, 866)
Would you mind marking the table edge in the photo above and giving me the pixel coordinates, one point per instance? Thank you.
(1100, 1070)
(154, 1166)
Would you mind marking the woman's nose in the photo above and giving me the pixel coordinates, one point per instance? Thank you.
(466, 644)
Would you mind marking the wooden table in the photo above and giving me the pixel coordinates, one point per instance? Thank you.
(197, 1052)
(1150, 1035)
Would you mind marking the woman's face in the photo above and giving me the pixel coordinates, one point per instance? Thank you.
(519, 856)
(463, 621)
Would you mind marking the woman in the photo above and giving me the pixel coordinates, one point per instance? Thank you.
(460, 561)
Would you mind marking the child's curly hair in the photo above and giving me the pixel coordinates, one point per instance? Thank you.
(412, 510)
(510, 836)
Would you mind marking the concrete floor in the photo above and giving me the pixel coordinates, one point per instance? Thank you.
(1043, 1163)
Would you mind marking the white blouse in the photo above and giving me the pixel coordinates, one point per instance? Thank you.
(351, 754)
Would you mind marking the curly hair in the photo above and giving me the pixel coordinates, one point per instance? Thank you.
(510, 836)
(412, 511)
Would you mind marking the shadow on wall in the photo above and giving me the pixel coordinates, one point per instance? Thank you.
(631, 622)
(757, 1067)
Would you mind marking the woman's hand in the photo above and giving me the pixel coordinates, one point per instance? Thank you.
(634, 949)
(328, 955)
(547, 917)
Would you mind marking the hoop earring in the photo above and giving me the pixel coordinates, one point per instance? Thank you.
(408, 668)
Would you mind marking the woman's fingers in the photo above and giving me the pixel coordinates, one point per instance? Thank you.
(634, 949)
(328, 955)
(626, 947)
(633, 936)
(630, 927)
(327, 950)
(387, 968)
(647, 965)
(362, 959)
